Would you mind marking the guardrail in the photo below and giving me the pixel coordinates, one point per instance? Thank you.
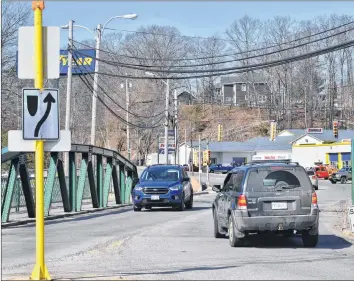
(112, 174)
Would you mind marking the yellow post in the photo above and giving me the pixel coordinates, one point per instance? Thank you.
(40, 271)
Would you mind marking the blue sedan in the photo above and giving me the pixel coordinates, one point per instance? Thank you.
(163, 186)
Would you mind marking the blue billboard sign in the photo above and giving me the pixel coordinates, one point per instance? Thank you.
(83, 61)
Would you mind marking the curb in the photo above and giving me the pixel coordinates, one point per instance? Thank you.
(54, 217)
(348, 235)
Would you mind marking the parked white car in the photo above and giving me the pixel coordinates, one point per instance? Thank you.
(313, 178)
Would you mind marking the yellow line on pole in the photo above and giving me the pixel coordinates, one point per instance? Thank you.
(40, 271)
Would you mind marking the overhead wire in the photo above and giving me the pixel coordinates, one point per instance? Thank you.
(228, 55)
(229, 61)
(112, 111)
(234, 70)
(114, 101)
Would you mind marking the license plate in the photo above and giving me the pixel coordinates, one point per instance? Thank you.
(155, 197)
(279, 205)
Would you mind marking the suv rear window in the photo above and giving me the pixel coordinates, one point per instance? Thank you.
(310, 173)
(273, 178)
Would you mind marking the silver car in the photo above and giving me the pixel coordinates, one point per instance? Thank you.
(313, 178)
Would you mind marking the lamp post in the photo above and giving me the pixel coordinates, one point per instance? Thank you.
(98, 37)
(166, 113)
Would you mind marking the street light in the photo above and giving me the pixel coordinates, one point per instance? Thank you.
(98, 35)
(166, 113)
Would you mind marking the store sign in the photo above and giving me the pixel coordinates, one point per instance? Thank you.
(270, 157)
(314, 130)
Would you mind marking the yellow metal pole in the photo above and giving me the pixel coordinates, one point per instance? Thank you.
(40, 271)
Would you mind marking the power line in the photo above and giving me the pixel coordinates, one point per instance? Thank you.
(135, 66)
(115, 102)
(115, 114)
(233, 54)
(233, 70)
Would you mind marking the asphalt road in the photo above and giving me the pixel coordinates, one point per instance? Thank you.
(164, 244)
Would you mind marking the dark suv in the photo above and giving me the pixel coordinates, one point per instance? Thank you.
(266, 197)
(161, 186)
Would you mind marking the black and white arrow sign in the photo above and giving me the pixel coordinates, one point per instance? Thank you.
(40, 114)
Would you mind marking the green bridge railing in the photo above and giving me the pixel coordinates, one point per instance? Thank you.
(112, 174)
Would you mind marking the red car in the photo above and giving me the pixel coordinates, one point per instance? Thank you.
(322, 172)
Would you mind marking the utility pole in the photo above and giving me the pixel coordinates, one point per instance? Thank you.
(200, 163)
(207, 167)
(192, 152)
(95, 85)
(176, 130)
(185, 145)
(127, 107)
(158, 149)
(166, 124)
(68, 93)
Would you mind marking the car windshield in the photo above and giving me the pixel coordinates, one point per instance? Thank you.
(160, 174)
(274, 178)
(344, 170)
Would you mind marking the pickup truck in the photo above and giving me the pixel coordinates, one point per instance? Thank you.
(218, 168)
(343, 175)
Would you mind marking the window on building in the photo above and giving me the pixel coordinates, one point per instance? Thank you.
(346, 164)
(334, 164)
(243, 87)
(228, 99)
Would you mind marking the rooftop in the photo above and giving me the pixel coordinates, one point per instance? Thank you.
(281, 143)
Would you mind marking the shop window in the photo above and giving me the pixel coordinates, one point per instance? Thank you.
(334, 164)
(243, 87)
(346, 164)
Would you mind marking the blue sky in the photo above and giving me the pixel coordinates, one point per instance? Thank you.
(192, 18)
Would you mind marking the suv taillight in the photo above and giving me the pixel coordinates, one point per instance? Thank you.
(314, 177)
(314, 200)
(242, 202)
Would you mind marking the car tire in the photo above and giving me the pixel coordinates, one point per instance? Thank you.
(309, 240)
(189, 204)
(343, 180)
(217, 233)
(288, 233)
(326, 178)
(316, 187)
(181, 206)
(234, 241)
(137, 209)
(333, 182)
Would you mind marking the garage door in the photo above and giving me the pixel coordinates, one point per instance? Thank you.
(346, 156)
(333, 159)
(346, 159)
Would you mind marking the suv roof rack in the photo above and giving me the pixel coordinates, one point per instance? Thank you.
(255, 162)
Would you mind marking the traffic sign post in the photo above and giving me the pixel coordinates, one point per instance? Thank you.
(40, 271)
(40, 114)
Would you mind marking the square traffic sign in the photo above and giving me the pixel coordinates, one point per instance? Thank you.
(40, 114)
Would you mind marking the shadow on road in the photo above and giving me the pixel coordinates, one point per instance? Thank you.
(327, 241)
(162, 209)
(80, 217)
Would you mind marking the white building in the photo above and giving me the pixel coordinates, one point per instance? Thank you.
(298, 145)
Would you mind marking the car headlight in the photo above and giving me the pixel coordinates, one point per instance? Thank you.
(138, 188)
(337, 176)
(176, 187)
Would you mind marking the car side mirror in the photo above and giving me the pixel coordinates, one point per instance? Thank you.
(135, 181)
(217, 188)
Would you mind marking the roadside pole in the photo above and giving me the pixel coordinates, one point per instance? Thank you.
(207, 167)
(176, 130)
(127, 108)
(40, 271)
(200, 168)
(68, 93)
